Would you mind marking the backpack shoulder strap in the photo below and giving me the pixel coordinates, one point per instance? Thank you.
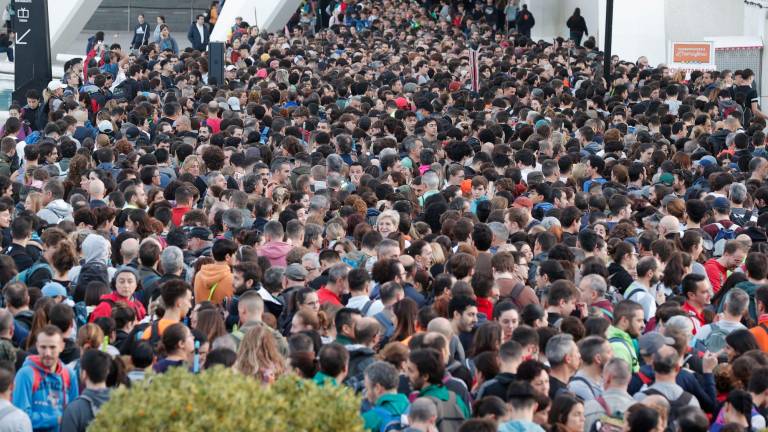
(601, 400)
(516, 291)
(154, 333)
(684, 399)
(584, 380)
(366, 307)
(644, 378)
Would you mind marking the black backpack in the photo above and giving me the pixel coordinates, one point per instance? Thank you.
(674, 406)
(92, 271)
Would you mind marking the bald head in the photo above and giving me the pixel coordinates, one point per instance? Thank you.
(367, 331)
(129, 249)
(96, 189)
(669, 225)
(441, 325)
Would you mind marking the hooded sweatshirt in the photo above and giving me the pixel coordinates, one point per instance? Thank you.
(213, 274)
(275, 252)
(45, 401)
(80, 413)
(56, 211)
(95, 248)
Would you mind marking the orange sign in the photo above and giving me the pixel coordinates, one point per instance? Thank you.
(689, 52)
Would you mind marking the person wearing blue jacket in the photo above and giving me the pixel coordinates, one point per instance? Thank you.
(167, 42)
(44, 386)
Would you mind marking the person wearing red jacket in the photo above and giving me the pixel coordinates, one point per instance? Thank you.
(126, 283)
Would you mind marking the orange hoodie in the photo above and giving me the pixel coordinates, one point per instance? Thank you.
(213, 274)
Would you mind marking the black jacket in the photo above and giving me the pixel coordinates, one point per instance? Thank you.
(140, 36)
(497, 386)
(193, 35)
(577, 24)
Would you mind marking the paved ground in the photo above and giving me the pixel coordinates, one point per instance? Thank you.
(121, 37)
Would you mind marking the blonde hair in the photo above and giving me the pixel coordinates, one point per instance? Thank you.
(258, 354)
(36, 201)
(438, 255)
(189, 160)
(392, 215)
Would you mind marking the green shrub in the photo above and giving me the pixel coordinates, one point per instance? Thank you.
(223, 400)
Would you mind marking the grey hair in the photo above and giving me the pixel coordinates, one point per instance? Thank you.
(618, 369)
(319, 202)
(596, 283)
(385, 243)
(499, 231)
(313, 257)
(172, 260)
(431, 180)
(738, 193)
(334, 163)
(338, 272)
(736, 302)
(590, 347)
(422, 410)
(212, 175)
(557, 348)
(383, 374)
(679, 323)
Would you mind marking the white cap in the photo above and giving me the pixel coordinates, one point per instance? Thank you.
(105, 126)
(231, 68)
(234, 103)
(55, 85)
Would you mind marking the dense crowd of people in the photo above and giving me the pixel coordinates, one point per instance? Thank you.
(554, 251)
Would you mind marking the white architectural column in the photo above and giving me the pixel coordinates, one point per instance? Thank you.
(66, 19)
(269, 15)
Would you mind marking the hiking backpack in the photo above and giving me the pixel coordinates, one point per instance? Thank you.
(92, 271)
(389, 422)
(449, 414)
(715, 341)
(610, 421)
(26, 274)
(674, 406)
(723, 235)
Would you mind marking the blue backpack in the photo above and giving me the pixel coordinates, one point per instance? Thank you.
(33, 137)
(389, 421)
(26, 274)
(723, 235)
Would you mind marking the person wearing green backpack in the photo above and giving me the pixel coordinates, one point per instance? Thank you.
(389, 406)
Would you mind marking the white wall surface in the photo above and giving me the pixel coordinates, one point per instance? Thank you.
(638, 29)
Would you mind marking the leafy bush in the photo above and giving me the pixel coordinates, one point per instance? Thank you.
(223, 400)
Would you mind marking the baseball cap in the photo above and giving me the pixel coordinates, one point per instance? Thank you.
(261, 73)
(523, 202)
(105, 126)
(402, 103)
(667, 179)
(721, 203)
(202, 233)
(234, 103)
(231, 68)
(132, 133)
(651, 342)
(55, 85)
(707, 161)
(54, 289)
(296, 272)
